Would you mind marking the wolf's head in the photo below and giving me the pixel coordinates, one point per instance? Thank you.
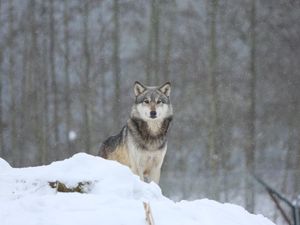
(152, 103)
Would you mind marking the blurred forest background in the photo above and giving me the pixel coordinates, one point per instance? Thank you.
(67, 69)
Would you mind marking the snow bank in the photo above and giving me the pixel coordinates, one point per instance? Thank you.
(115, 196)
(4, 165)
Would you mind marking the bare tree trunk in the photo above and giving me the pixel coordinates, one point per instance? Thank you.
(11, 74)
(297, 138)
(116, 66)
(153, 51)
(28, 87)
(156, 32)
(35, 120)
(167, 58)
(290, 145)
(214, 104)
(251, 142)
(68, 116)
(102, 73)
(103, 101)
(1, 108)
(297, 169)
(45, 91)
(148, 65)
(1, 94)
(25, 112)
(54, 88)
(168, 51)
(86, 81)
(37, 81)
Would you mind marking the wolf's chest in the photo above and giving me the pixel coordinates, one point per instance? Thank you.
(144, 157)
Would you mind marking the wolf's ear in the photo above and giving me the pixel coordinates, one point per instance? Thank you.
(138, 88)
(166, 89)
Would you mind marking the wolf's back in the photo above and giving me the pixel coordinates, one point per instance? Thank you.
(114, 147)
(110, 145)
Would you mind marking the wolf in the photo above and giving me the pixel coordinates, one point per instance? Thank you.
(142, 142)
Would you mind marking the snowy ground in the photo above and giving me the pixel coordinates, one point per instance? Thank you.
(114, 196)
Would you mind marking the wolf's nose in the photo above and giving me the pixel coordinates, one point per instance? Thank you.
(153, 114)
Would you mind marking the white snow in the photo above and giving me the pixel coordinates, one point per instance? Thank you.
(115, 197)
(4, 165)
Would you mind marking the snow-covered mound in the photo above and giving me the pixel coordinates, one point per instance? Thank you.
(3, 165)
(113, 196)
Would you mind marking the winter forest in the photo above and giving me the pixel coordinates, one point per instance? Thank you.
(67, 69)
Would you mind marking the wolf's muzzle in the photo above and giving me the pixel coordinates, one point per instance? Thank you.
(153, 114)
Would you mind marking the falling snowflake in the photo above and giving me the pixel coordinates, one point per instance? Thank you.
(72, 135)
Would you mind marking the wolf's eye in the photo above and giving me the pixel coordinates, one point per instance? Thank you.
(158, 101)
(146, 101)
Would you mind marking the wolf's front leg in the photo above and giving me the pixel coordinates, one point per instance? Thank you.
(140, 173)
(154, 175)
(146, 179)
